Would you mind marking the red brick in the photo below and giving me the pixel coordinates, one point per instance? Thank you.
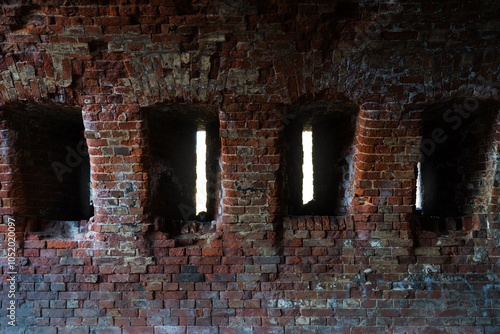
(61, 244)
(138, 330)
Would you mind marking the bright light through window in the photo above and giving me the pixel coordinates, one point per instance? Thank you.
(307, 167)
(201, 174)
(418, 201)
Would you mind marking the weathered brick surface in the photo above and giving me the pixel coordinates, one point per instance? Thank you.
(377, 266)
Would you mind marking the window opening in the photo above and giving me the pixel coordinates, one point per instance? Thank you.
(418, 201)
(185, 156)
(52, 157)
(454, 176)
(318, 174)
(201, 172)
(307, 167)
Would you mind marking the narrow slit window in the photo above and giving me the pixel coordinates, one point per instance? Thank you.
(307, 167)
(455, 155)
(184, 165)
(418, 200)
(201, 173)
(318, 162)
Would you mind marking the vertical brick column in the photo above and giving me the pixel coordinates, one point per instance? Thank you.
(384, 186)
(250, 163)
(115, 137)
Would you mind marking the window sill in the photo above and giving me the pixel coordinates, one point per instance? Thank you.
(319, 223)
(55, 229)
(454, 227)
(185, 233)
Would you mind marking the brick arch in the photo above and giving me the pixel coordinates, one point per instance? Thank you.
(161, 78)
(305, 77)
(198, 77)
(41, 77)
(461, 73)
(295, 77)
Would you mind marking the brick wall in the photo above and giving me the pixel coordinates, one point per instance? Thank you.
(373, 264)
